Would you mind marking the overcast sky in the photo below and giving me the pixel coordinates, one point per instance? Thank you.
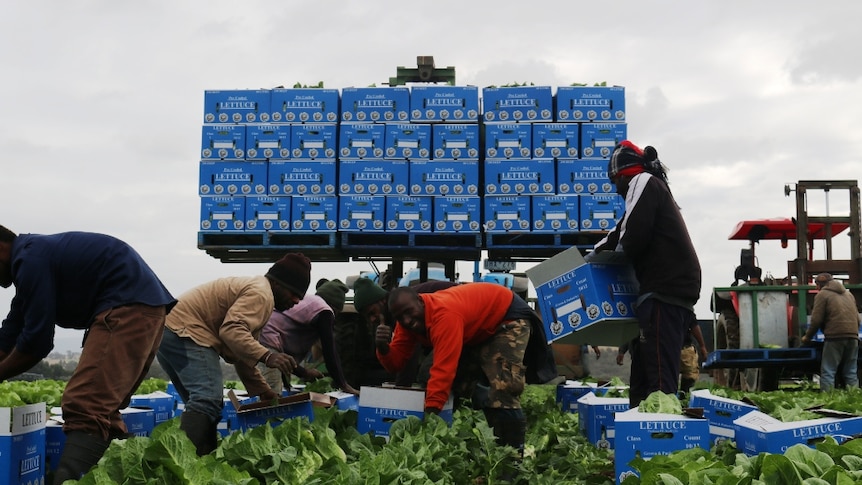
(101, 102)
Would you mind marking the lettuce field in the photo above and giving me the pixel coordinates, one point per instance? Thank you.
(329, 450)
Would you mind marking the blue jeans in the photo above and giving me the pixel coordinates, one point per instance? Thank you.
(196, 373)
(837, 352)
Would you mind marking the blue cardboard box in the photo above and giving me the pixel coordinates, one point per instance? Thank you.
(596, 418)
(302, 177)
(409, 214)
(139, 421)
(223, 142)
(375, 177)
(267, 142)
(259, 413)
(314, 213)
(584, 302)
(439, 103)
(590, 103)
(555, 213)
(507, 213)
(570, 391)
(162, 404)
(459, 214)
(408, 141)
(652, 434)
(222, 213)
(518, 104)
(721, 412)
(509, 177)
(365, 213)
(236, 106)
(757, 432)
(583, 177)
(373, 104)
(508, 140)
(361, 140)
(305, 105)
(600, 212)
(556, 140)
(267, 213)
(22, 443)
(379, 407)
(232, 178)
(455, 142)
(314, 141)
(441, 177)
(599, 139)
(344, 401)
(55, 440)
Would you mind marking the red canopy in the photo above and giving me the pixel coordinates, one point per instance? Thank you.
(781, 228)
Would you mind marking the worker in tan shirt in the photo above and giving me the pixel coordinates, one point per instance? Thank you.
(223, 319)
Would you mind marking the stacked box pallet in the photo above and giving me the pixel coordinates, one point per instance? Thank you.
(375, 164)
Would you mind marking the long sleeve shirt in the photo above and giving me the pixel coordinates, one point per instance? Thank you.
(456, 317)
(67, 279)
(228, 315)
(295, 330)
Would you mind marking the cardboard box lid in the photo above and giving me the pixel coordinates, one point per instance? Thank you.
(566, 261)
(316, 399)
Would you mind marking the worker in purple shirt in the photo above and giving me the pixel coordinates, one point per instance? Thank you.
(295, 330)
(98, 284)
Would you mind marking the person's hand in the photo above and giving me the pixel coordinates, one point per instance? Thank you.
(429, 411)
(382, 336)
(269, 395)
(702, 354)
(806, 340)
(283, 362)
(620, 358)
(351, 390)
(313, 374)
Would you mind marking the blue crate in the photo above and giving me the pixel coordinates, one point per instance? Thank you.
(237, 106)
(437, 103)
(305, 105)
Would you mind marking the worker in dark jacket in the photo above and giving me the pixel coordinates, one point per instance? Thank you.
(95, 283)
(835, 312)
(295, 331)
(479, 332)
(654, 237)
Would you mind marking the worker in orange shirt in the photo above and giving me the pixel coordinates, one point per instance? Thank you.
(482, 335)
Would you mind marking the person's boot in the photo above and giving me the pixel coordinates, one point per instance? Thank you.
(510, 428)
(201, 430)
(685, 385)
(80, 453)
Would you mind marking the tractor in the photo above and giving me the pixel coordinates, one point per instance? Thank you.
(759, 320)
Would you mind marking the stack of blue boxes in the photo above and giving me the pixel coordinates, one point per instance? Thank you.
(399, 160)
(545, 165)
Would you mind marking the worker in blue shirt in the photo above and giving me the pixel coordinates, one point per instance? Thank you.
(98, 284)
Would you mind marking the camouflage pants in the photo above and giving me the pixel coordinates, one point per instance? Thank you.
(493, 372)
(688, 363)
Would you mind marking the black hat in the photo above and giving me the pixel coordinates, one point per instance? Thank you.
(292, 271)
